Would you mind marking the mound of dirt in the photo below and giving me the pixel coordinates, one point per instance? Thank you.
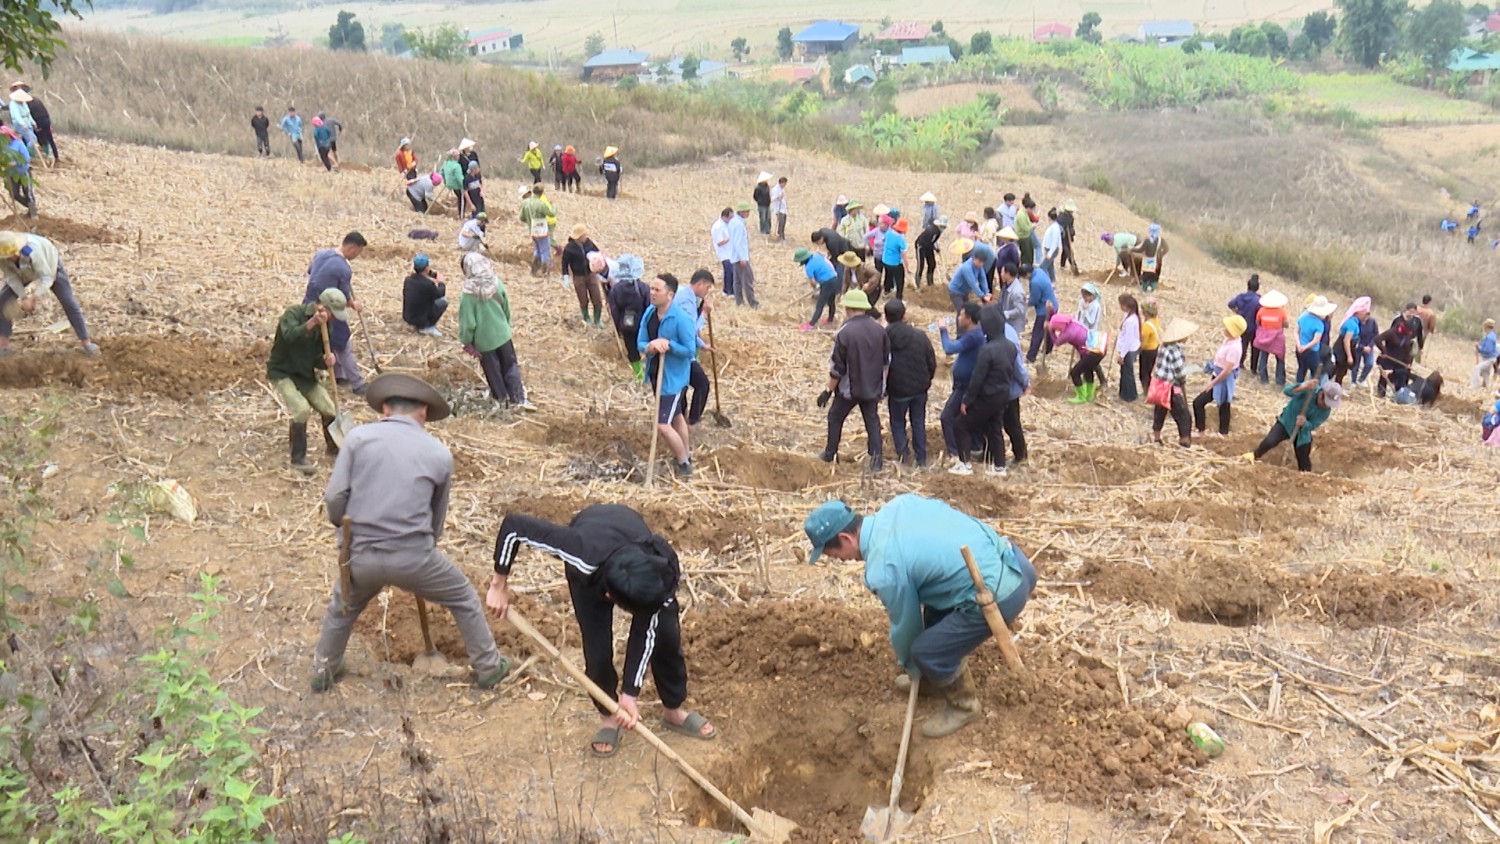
(60, 231)
(162, 366)
(1236, 592)
(778, 470)
(934, 297)
(981, 495)
(1104, 465)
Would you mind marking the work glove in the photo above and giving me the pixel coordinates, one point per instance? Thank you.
(823, 398)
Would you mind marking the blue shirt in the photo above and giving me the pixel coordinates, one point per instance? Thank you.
(912, 560)
(1022, 380)
(820, 270)
(677, 329)
(330, 269)
(687, 300)
(1042, 294)
(323, 135)
(966, 347)
(895, 245)
(1309, 326)
(1350, 326)
(968, 279)
(1247, 305)
(20, 158)
(1487, 347)
(292, 126)
(986, 254)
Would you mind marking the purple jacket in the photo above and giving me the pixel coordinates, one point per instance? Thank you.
(1247, 305)
(1066, 331)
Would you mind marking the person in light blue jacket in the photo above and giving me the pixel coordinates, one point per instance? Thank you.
(913, 563)
(667, 339)
(291, 124)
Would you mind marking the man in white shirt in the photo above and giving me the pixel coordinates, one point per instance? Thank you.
(778, 207)
(1008, 212)
(1052, 243)
(723, 250)
(29, 265)
(471, 236)
(739, 244)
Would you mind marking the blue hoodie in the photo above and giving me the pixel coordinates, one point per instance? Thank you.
(1042, 293)
(677, 328)
(912, 560)
(967, 348)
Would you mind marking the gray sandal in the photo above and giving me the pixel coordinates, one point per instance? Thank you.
(606, 735)
(692, 725)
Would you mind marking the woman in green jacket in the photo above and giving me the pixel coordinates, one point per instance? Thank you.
(484, 329)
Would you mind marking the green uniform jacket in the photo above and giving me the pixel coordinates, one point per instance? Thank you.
(453, 175)
(484, 323)
(296, 353)
(1316, 415)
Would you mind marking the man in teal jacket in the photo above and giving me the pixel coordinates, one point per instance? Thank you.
(669, 342)
(910, 548)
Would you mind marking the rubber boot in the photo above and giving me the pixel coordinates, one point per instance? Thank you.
(961, 707)
(330, 447)
(1090, 390)
(298, 437)
(583, 311)
(639, 369)
(929, 688)
(1079, 395)
(597, 324)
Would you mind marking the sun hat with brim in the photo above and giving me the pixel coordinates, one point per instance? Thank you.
(855, 300)
(398, 385)
(1489, 323)
(850, 260)
(465, 144)
(19, 96)
(610, 151)
(19, 83)
(1007, 233)
(962, 246)
(533, 145)
(901, 226)
(1178, 330)
(334, 300)
(824, 525)
(1070, 205)
(11, 244)
(941, 222)
(1321, 307)
(1273, 299)
(841, 200)
(928, 197)
(882, 209)
(802, 255)
(1332, 394)
(579, 232)
(743, 206)
(971, 217)
(523, 190)
(852, 204)
(1235, 325)
(763, 177)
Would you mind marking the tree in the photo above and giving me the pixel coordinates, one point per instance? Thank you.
(690, 65)
(1479, 10)
(981, 42)
(1435, 32)
(628, 83)
(393, 39)
(784, 43)
(1302, 48)
(937, 27)
(1369, 28)
(741, 48)
(1319, 27)
(1192, 45)
(444, 43)
(1252, 41)
(29, 31)
(347, 34)
(1276, 40)
(838, 65)
(593, 45)
(1088, 28)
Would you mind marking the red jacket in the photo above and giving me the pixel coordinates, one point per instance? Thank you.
(569, 163)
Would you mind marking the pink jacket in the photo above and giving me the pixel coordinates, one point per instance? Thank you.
(1067, 331)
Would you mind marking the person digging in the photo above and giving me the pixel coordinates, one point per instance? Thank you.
(911, 548)
(1308, 407)
(296, 356)
(392, 480)
(612, 559)
(30, 264)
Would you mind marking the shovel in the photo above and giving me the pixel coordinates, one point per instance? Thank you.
(661, 381)
(430, 661)
(992, 615)
(763, 825)
(713, 359)
(369, 344)
(341, 423)
(881, 824)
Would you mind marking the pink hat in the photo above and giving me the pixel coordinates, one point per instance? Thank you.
(317, 121)
(8, 132)
(437, 178)
(886, 218)
(1060, 321)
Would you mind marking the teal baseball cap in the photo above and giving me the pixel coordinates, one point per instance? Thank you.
(824, 524)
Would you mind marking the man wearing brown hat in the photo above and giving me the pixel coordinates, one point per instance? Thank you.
(296, 356)
(392, 480)
(857, 371)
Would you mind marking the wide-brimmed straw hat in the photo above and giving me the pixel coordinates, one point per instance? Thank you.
(841, 200)
(850, 260)
(971, 217)
(852, 204)
(465, 144)
(523, 191)
(609, 152)
(11, 244)
(398, 385)
(1273, 299)
(19, 96)
(928, 197)
(532, 145)
(579, 232)
(1007, 233)
(961, 246)
(882, 209)
(1070, 205)
(763, 177)
(856, 300)
(1321, 307)
(743, 206)
(1178, 330)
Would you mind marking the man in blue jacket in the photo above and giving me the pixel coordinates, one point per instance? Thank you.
(964, 349)
(913, 564)
(330, 270)
(666, 334)
(1044, 302)
(968, 280)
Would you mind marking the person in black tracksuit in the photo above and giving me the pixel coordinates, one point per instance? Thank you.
(611, 558)
(927, 253)
(836, 246)
(984, 400)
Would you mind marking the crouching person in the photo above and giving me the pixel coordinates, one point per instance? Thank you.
(913, 563)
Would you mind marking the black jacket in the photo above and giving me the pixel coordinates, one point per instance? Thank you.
(913, 361)
(575, 257)
(834, 243)
(762, 195)
(929, 237)
(627, 301)
(995, 367)
(418, 293)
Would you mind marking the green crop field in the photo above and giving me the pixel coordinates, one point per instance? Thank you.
(1385, 100)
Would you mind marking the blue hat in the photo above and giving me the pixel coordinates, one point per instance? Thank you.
(420, 262)
(826, 523)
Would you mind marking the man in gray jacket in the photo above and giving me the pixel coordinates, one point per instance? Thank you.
(1016, 294)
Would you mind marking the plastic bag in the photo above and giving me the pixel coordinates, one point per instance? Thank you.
(168, 496)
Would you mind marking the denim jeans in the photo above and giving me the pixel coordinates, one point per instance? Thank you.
(1265, 370)
(914, 410)
(1307, 365)
(951, 635)
(728, 277)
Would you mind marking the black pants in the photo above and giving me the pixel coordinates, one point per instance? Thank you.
(1067, 256)
(417, 203)
(1086, 369)
(434, 313)
(628, 337)
(828, 293)
(558, 180)
(1011, 422)
(698, 381)
(328, 162)
(611, 187)
(902, 411)
(536, 175)
(839, 411)
(297, 145)
(1041, 341)
(1179, 413)
(1341, 368)
(984, 420)
(1200, 412)
(503, 374)
(1245, 340)
(573, 182)
(926, 260)
(21, 192)
(476, 199)
(596, 622)
(895, 279)
(262, 143)
(1278, 435)
(1148, 364)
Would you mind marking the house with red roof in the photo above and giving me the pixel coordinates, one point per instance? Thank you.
(909, 31)
(1051, 31)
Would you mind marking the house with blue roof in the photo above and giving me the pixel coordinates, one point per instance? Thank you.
(615, 64)
(825, 37)
(939, 54)
(708, 70)
(1479, 66)
(1167, 33)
